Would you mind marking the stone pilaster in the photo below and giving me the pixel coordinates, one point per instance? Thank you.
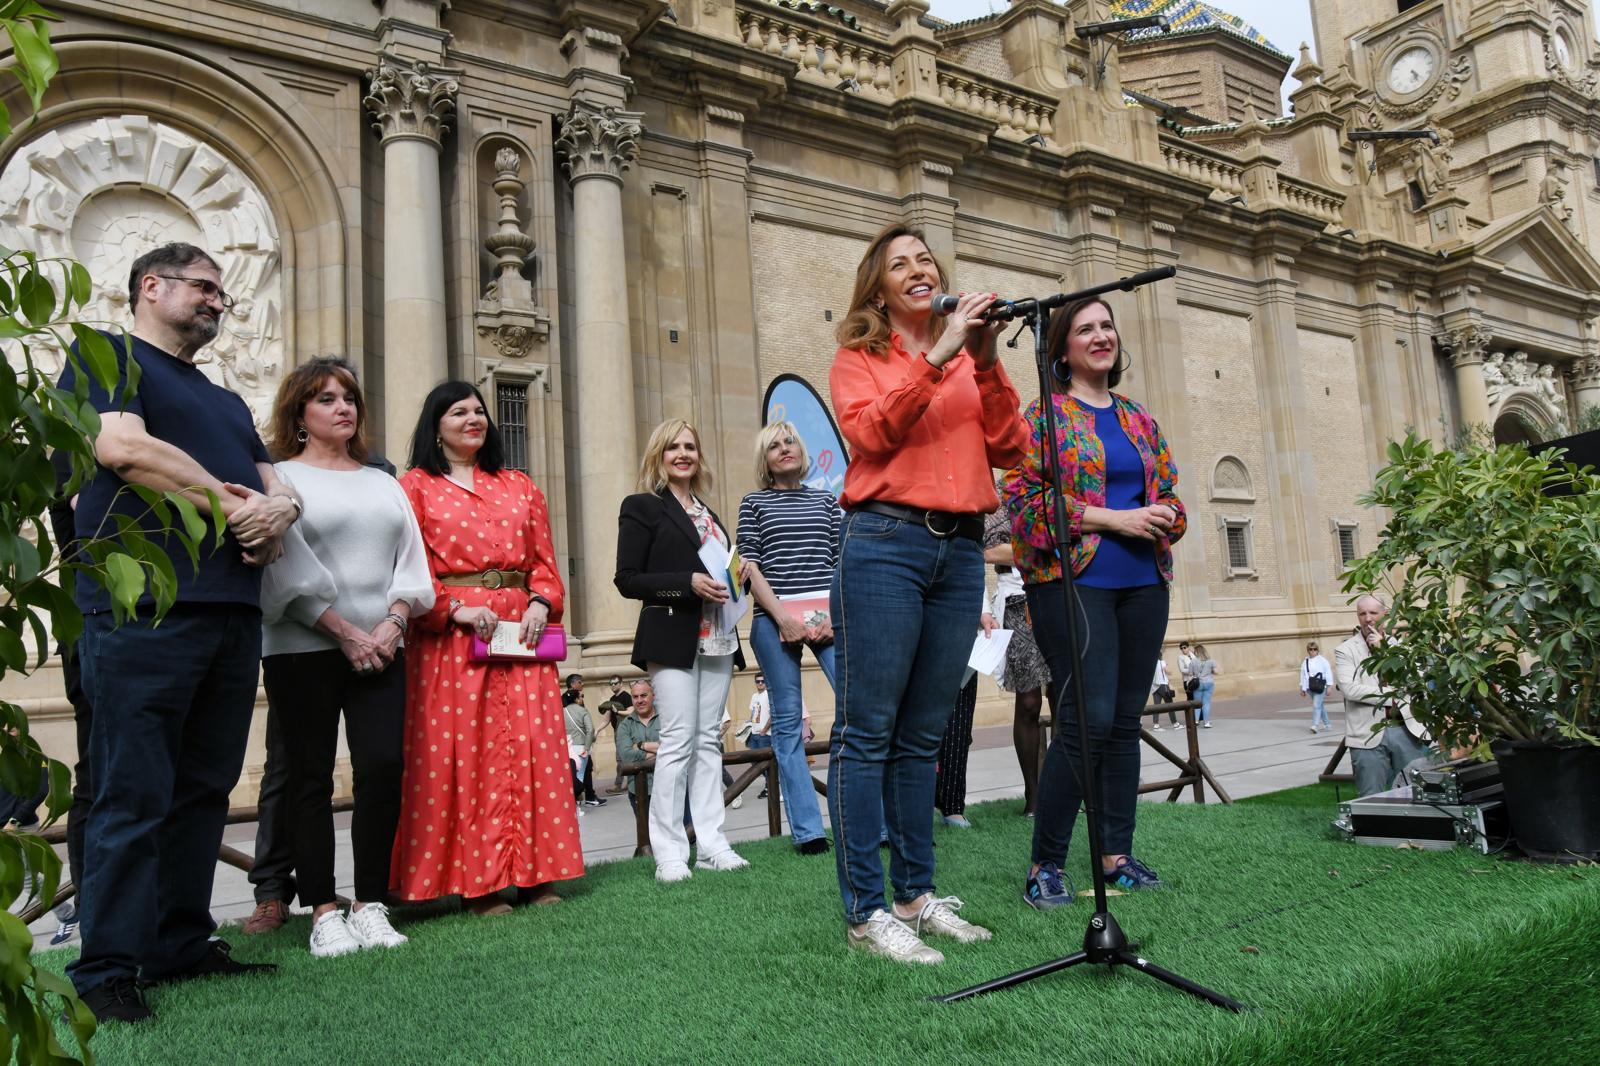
(1467, 345)
(598, 145)
(1586, 384)
(411, 105)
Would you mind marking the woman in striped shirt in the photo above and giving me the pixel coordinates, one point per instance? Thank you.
(789, 534)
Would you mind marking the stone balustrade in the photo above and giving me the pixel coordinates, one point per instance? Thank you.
(826, 55)
(1313, 200)
(1018, 113)
(1202, 165)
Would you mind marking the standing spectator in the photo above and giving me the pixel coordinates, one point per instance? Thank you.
(573, 693)
(1026, 674)
(487, 803)
(617, 707)
(928, 412)
(681, 642)
(573, 697)
(789, 534)
(580, 748)
(1382, 736)
(1205, 670)
(336, 607)
(1315, 677)
(950, 773)
(172, 702)
(1120, 489)
(1191, 684)
(1161, 692)
(639, 737)
(761, 728)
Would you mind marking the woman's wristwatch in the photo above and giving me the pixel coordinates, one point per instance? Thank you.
(534, 597)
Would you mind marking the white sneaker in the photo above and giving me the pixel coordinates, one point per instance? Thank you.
(738, 801)
(726, 860)
(938, 917)
(669, 870)
(370, 926)
(888, 936)
(330, 936)
(1207, 725)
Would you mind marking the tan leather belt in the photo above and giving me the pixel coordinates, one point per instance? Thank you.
(489, 579)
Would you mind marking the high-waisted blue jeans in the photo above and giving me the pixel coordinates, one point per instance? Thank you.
(905, 606)
(780, 663)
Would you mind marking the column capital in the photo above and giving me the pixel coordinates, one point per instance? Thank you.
(598, 142)
(410, 100)
(1467, 344)
(1586, 372)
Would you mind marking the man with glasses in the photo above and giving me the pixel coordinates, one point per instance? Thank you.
(172, 703)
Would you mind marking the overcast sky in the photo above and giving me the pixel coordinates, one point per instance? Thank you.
(1285, 22)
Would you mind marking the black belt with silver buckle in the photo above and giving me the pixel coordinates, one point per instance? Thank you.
(941, 524)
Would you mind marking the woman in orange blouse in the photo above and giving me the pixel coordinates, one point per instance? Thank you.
(487, 795)
(927, 410)
(1124, 516)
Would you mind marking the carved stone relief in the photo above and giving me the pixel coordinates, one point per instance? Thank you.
(1514, 379)
(1230, 480)
(106, 190)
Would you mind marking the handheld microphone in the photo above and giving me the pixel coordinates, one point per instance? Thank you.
(999, 311)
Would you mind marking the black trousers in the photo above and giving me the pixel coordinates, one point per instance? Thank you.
(308, 691)
(272, 873)
(82, 777)
(950, 780)
(583, 787)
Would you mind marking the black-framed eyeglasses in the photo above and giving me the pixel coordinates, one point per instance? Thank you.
(761, 681)
(208, 288)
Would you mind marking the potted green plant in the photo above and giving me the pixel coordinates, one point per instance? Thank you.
(1491, 561)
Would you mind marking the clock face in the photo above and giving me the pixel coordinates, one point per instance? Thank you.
(1563, 50)
(1411, 70)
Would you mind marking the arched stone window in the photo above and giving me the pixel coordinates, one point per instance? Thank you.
(1230, 481)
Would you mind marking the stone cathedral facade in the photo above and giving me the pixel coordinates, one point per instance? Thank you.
(607, 212)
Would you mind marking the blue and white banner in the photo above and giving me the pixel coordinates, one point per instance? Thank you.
(790, 398)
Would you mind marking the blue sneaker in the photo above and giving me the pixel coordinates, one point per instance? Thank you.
(1131, 875)
(1048, 888)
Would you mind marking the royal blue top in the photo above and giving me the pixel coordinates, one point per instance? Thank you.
(1120, 562)
(181, 406)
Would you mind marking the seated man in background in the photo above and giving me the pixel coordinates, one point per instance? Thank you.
(1377, 755)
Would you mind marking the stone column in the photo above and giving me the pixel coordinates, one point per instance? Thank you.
(411, 103)
(1467, 346)
(598, 144)
(1586, 386)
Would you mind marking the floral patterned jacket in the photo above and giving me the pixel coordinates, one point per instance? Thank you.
(1082, 461)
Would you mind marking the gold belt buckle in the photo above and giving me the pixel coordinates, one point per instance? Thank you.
(494, 579)
(927, 521)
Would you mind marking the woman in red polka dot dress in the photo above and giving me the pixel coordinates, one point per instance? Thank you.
(487, 796)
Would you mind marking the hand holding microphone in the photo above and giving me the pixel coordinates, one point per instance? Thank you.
(969, 328)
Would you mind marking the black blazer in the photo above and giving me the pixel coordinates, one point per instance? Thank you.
(658, 554)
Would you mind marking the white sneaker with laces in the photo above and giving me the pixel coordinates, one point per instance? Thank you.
(938, 917)
(727, 860)
(670, 870)
(330, 936)
(370, 926)
(888, 936)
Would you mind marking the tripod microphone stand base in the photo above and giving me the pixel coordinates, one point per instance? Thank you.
(1104, 943)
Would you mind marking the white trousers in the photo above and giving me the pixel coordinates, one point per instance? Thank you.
(689, 762)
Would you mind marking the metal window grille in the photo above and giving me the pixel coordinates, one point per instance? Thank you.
(1238, 548)
(511, 403)
(1347, 545)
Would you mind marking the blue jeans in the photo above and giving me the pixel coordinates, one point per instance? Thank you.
(1319, 715)
(1377, 767)
(172, 708)
(909, 602)
(1203, 694)
(1120, 631)
(781, 663)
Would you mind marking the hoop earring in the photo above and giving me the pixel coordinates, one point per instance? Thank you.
(301, 435)
(438, 442)
(1125, 360)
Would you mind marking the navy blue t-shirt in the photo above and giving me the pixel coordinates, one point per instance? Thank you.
(181, 406)
(1120, 562)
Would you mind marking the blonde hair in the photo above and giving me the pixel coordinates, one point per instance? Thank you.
(866, 325)
(653, 467)
(765, 439)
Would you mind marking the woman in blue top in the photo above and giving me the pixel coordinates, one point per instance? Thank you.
(1124, 515)
(789, 534)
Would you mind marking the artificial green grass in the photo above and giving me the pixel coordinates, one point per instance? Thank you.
(1349, 954)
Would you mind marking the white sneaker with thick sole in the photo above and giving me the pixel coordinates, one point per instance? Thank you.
(888, 936)
(330, 936)
(938, 917)
(370, 926)
(672, 870)
(727, 860)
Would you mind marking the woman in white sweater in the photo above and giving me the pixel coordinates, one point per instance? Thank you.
(336, 608)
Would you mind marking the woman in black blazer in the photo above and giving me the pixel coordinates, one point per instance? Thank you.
(689, 657)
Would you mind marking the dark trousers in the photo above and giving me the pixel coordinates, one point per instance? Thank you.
(82, 776)
(950, 784)
(1121, 632)
(272, 872)
(583, 787)
(308, 691)
(172, 716)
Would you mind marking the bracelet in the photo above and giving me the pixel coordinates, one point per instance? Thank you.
(299, 508)
(536, 598)
(399, 622)
(455, 605)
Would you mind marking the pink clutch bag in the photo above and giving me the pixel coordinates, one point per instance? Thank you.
(505, 647)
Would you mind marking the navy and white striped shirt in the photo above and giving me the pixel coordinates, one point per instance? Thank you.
(793, 535)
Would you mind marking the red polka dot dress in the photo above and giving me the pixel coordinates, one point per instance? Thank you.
(487, 796)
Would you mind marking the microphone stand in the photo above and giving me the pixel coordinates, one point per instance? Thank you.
(1104, 942)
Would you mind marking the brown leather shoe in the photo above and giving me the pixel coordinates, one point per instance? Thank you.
(269, 914)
